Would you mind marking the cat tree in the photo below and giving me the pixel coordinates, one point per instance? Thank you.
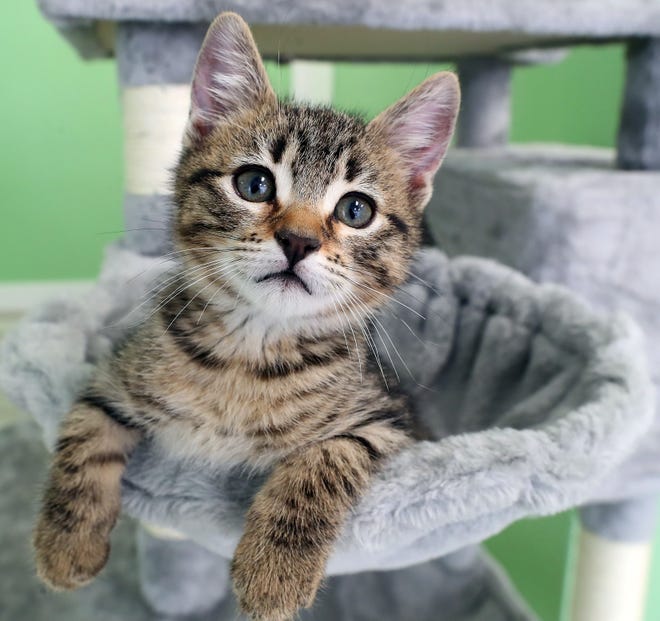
(583, 445)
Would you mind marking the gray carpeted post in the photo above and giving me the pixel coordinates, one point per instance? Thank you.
(485, 102)
(639, 128)
(180, 577)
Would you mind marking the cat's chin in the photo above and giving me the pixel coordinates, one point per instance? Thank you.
(288, 300)
(282, 297)
(286, 280)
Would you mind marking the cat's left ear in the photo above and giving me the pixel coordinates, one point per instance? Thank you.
(419, 127)
(229, 77)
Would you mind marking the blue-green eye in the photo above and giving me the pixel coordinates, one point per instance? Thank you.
(355, 210)
(254, 184)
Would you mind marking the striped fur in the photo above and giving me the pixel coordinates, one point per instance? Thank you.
(240, 367)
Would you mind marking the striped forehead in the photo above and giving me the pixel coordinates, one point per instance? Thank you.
(314, 147)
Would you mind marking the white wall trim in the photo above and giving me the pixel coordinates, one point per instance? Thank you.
(19, 297)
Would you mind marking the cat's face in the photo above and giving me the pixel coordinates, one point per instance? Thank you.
(300, 209)
(301, 212)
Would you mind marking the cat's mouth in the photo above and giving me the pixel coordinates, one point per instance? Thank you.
(286, 277)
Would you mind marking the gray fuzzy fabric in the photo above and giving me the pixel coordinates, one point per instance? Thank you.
(560, 214)
(157, 53)
(532, 398)
(485, 102)
(182, 578)
(565, 214)
(628, 520)
(514, 24)
(603, 17)
(147, 222)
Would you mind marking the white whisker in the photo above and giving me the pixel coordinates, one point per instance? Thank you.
(338, 305)
(385, 295)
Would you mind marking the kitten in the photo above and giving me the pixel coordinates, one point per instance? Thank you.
(294, 223)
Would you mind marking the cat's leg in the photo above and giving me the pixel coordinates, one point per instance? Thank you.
(294, 521)
(82, 498)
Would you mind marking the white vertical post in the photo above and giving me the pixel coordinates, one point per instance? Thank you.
(154, 119)
(155, 116)
(312, 82)
(610, 579)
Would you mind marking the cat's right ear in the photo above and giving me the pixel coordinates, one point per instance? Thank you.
(229, 77)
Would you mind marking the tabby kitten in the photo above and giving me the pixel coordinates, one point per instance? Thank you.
(294, 223)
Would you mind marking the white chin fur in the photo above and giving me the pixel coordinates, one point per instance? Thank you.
(285, 300)
(280, 300)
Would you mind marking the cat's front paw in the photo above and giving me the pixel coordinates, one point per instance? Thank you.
(68, 559)
(272, 583)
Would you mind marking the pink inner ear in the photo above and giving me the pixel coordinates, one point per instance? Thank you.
(426, 159)
(419, 127)
(228, 75)
(203, 111)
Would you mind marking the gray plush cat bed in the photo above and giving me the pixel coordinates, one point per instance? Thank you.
(532, 400)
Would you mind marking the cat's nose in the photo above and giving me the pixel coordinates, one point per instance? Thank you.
(295, 247)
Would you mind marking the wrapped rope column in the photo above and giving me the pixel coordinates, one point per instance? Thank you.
(155, 63)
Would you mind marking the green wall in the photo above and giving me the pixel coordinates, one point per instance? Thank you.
(60, 176)
(60, 167)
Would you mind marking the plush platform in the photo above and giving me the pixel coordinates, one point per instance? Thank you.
(377, 29)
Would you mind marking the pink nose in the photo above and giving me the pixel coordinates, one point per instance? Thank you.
(295, 247)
